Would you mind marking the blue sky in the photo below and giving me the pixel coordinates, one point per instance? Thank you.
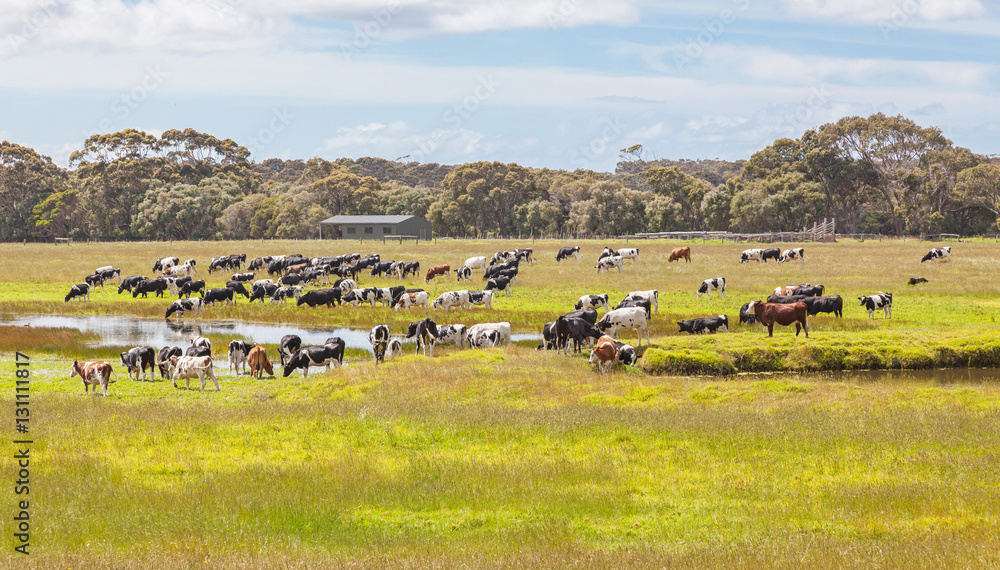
(545, 83)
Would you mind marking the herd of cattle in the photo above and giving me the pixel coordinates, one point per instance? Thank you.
(290, 274)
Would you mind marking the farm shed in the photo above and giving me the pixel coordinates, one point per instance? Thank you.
(374, 227)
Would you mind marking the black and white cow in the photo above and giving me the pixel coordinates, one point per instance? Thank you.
(261, 291)
(157, 286)
(937, 253)
(180, 306)
(345, 285)
(451, 334)
(484, 298)
(709, 285)
(771, 253)
(94, 280)
(549, 337)
(340, 345)
(878, 301)
(316, 355)
(565, 252)
(629, 253)
(224, 294)
(501, 257)
(450, 299)
(633, 318)
(463, 273)
(244, 277)
(198, 351)
(165, 353)
(710, 324)
(488, 334)
(129, 282)
(592, 302)
(381, 267)
(524, 254)
(286, 292)
(752, 255)
(292, 279)
(238, 288)
(238, 352)
(814, 305)
(498, 284)
(589, 315)
(577, 330)
(138, 359)
(192, 287)
(328, 297)
(794, 253)
(394, 350)
(746, 315)
(288, 346)
(379, 337)
(202, 342)
(626, 353)
(653, 296)
(630, 302)
(425, 331)
(165, 263)
(81, 290)
(607, 263)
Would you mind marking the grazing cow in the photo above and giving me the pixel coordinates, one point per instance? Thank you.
(680, 253)
(165, 263)
(524, 254)
(175, 285)
(476, 262)
(192, 287)
(328, 297)
(186, 270)
(451, 299)
(788, 289)
(643, 303)
(937, 253)
(451, 334)
(437, 270)
(188, 367)
(407, 300)
(549, 337)
(238, 289)
(137, 359)
(93, 374)
(794, 253)
(633, 318)
(198, 351)
(129, 282)
(770, 313)
(626, 354)
(484, 339)
(605, 354)
(501, 330)
(484, 298)
(606, 252)
(565, 252)
(592, 302)
(916, 280)
(814, 305)
(408, 267)
(297, 268)
(499, 284)
(395, 293)
(345, 285)
(501, 270)
(104, 268)
(259, 364)
(425, 331)
(608, 262)
(710, 324)
(239, 354)
(242, 277)
(709, 285)
(746, 315)
(463, 273)
(394, 350)
(264, 290)
(81, 290)
(577, 330)
(379, 337)
(770, 253)
(337, 343)
(381, 267)
(223, 294)
(752, 255)
(287, 347)
(165, 353)
(109, 273)
(180, 306)
(629, 253)
(501, 257)
(653, 296)
(292, 279)
(94, 281)
(282, 293)
(157, 286)
(317, 355)
(260, 282)
(878, 301)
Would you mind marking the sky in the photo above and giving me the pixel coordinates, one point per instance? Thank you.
(544, 83)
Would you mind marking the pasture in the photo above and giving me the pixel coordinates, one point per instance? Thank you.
(526, 458)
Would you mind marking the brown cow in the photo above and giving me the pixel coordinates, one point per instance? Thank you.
(680, 252)
(295, 268)
(438, 270)
(784, 315)
(259, 362)
(96, 373)
(606, 353)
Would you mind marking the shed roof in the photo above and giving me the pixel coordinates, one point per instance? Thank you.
(366, 219)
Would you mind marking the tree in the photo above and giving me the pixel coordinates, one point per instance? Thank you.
(26, 178)
(184, 211)
(686, 191)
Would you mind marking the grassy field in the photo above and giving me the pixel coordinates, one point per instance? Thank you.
(514, 457)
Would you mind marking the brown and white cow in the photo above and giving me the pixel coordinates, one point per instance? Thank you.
(188, 367)
(438, 270)
(605, 354)
(94, 374)
(259, 364)
(407, 300)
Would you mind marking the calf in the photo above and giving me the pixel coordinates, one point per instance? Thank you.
(709, 285)
(328, 297)
(426, 332)
(94, 281)
(451, 299)
(549, 337)
(437, 270)
(565, 252)
(393, 350)
(878, 301)
(710, 324)
(93, 374)
(937, 253)
(81, 290)
(188, 367)
(770, 313)
(484, 298)
(592, 302)
(607, 263)
(605, 354)
(181, 306)
(577, 330)
(451, 334)
(463, 273)
(653, 296)
(288, 346)
(680, 253)
(239, 353)
(794, 253)
(259, 364)
(633, 318)
(379, 337)
(408, 300)
(137, 359)
(318, 355)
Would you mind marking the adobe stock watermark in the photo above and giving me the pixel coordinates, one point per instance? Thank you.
(31, 26)
(128, 101)
(901, 15)
(279, 121)
(456, 115)
(804, 112)
(366, 34)
(611, 130)
(564, 11)
(711, 31)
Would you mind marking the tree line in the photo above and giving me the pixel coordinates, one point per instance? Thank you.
(876, 174)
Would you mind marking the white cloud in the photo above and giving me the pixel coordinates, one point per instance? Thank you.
(874, 11)
(397, 139)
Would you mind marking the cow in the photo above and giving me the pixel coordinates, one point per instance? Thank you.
(451, 299)
(502, 270)
(788, 289)
(409, 267)
(239, 354)
(679, 253)
(186, 270)
(484, 298)
(463, 273)
(770, 313)
(137, 359)
(878, 301)
(709, 285)
(549, 339)
(752, 255)
(814, 305)
(287, 347)
(258, 263)
(501, 257)
(198, 351)
(524, 254)
(476, 263)
(606, 252)
(201, 341)
(180, 306)
(316, 355)
(224, 294)
(165, 353)
(770, 253)
(291, 279)
(565, 252)
(407, 300)
(396, 293)
(501, 330)
(109, 273)
(175, 285)
(629, 253)
(242, 277)
(104, 268)
(794, 253)
(165, 263)
(916, 280)
(589, 315)
(345, 285)
(338, 345)
(425, 331)
(643, 303)
(633, 318)
(282, 293)
(605, 354)
(93, 374)
(937, 253)
(393, 350)
(379, 337)
(259, 364)
(238, 289)
(328, 297)
(381, 267)
(192, 287)
(437, 270)
(484, 339)
(94, 281)
(607, 263)
(653, 296)
(157, 286)
(499, 284)
(710, 324)
(297, 268)
(626, 354)
(81, 290)
(188, 367)
(810, 290)
(746, 315)
(451, 334)
(577, 330)
(592, 302)
(266, 290)
(129, 282)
